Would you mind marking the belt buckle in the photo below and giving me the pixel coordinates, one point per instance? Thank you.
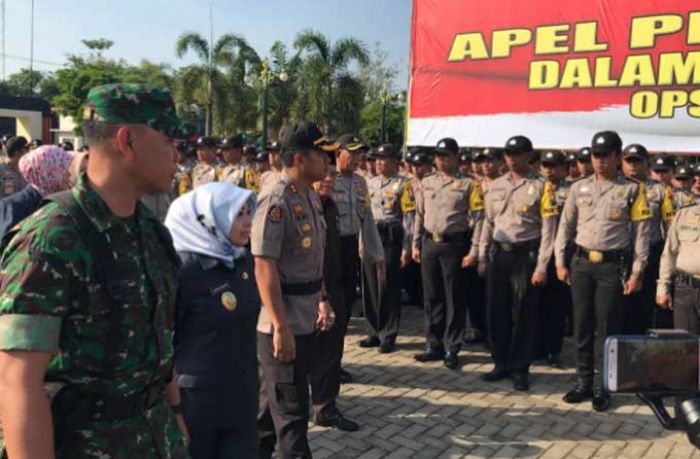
(506, 246)
(437, 237)
(595, 257)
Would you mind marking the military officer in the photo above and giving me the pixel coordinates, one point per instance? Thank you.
(610, 218)
(679, 272)
(556, 295)
(11, 180)
(583, 162)
(90, 284)
(235, 171)
(393, 207)
(515, 248)
(287, 241)
(442, 242)
(641, 305)
(206, 170)
(357, 226)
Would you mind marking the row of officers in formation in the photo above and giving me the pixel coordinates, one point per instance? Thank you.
(506, 245)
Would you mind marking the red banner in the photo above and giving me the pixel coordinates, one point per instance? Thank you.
(510, 66)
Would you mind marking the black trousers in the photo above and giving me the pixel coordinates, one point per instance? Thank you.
(686, 308)
(512, 303)
(444, 296)
(206, 443)
(476, 289)
(324, 368)
(599, 311)
(551, 316)
(350, 268)
(640, 307)
(412, 284)
(284, 400)
(382, 304)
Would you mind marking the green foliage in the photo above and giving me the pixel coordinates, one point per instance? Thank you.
(18, 84)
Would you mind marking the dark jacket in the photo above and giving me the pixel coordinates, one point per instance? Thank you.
(17, 207)
(332, 275)
(215, 341)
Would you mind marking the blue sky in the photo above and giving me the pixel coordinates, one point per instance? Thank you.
(147, 29)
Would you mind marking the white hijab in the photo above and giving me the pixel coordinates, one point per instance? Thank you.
(200, 221)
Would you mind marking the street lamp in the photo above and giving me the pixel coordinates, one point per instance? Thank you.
(267, 75)
(386, 97)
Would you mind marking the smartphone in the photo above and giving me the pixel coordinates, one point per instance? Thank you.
(665, 363)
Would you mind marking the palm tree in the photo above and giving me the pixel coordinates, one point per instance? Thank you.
(326, 68)
(207, 78)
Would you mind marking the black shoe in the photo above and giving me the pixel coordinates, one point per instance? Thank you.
(451, 360)
(387, 347)
(601, 399)
(578, 394)
(521, 382)
(344, 376)
(371, 341)
(339, 422)
(495, 375)
(473, 337)
(431, 355)
(554, 361)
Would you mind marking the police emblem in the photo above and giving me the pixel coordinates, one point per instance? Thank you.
(275, 214)
(297, 210)
(306, 242)
(229, 301)
(306, 227)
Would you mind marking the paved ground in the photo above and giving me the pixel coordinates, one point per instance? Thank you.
(411, 410)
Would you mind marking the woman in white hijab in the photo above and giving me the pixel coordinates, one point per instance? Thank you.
(217, 312)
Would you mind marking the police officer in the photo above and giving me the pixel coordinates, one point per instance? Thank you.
(695, 188)
(89, 287)
(609, 216)
(262, 162)
(465, 161)
(357, 224)
(678, 285)
(515, 248)
(572, 169)
(682, 194)
(641, 305)
(287, 241)
(206, 170)
(583, 162)
(235, 172)
(393, 208)
(556, 295)
(662, 169)
(275, 163)
(442, 241)
(182, 181)
(11, 180)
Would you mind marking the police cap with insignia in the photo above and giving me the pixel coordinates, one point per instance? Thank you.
(420, 156)
(555, 157)
(492, 153)
(584, 155)
(234, 141)
(16, 144)
(465, 155)
(349, 142)
(518, 144)
(387, 150)
(606, 142)
(682, 173)
(273, 147)
(663, 162)
(250, 150)
(262, 156)
(206, 141)
(635, 151)
(447, 146)
(302, 135)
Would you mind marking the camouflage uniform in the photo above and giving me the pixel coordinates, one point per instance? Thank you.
(108, 348)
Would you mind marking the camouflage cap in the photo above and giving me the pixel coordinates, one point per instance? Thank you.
(131, 103)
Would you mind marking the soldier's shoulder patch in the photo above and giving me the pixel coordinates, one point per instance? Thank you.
(274, 214)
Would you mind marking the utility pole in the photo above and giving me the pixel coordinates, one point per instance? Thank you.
(3, 40)
(31, 55)
(210, 70)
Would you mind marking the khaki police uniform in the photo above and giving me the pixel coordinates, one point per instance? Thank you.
(444, 207)
(240, 175)
(679, 271)
(203, 173)
(393, 207)
(516, 240)
(610, 220)
(289, 228)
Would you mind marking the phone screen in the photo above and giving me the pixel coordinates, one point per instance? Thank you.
(644, 363)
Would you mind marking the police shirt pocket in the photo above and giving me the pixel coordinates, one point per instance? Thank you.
(687, 235)
(617, 209)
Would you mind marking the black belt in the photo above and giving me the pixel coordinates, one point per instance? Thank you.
(518, 246)
(302, 288)
(687, 279)
(461, 236)
(601, 256)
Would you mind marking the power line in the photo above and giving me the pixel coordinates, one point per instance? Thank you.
(26, 59)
